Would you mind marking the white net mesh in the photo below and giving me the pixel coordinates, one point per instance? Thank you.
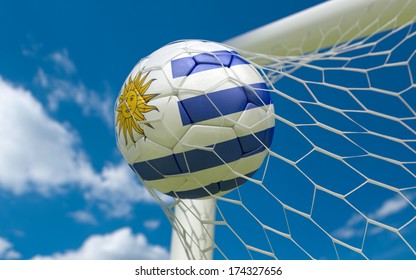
(339, 179)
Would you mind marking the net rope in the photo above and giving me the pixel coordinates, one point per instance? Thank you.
(339, 181)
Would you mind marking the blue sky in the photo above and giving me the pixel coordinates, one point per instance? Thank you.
(65, 191)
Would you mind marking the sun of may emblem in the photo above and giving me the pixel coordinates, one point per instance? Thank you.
(132, 104)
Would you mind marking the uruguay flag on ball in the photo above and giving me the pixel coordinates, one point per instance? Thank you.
(194, 119)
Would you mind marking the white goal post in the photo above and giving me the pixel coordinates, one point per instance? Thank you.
(328, 24)
(331, 23)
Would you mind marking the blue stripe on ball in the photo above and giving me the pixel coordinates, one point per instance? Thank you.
(223, 102)
(186, 66)
(211, 189)
(197, 160)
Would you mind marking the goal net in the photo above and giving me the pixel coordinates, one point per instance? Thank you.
(339, 180)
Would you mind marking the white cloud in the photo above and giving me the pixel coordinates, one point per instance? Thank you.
(33, 147)
(390, 207)
(62, 61)
(41, 78)
(31, 48)
(151, 224)
(6, 250)
(374, 230)
(346, 233)
(115, 189)
(39, 154)
(349, 230)
(121, 244)
(64, 90)
(83, 217)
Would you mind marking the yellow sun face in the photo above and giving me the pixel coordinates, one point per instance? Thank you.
(132, 104)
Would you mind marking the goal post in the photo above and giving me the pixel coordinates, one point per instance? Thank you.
(325, 26)
(193, 230)
(328, 24)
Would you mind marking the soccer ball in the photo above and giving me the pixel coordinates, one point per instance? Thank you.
(194, 119)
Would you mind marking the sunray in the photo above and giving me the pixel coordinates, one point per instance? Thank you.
(149, 97)
(144, 108)
(137, 128)
(139, 82)
(122, 124)
(125, 127)
(132, 123)
(146, 87)
(138, 77)
(138, 116)
(148, 124)
(119, 119)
